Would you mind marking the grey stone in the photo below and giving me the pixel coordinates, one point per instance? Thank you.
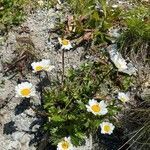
(13, 145)
(17, 136)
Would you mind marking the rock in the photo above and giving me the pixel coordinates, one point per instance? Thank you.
(25, 139)
(17, 136)
(13, 145)
(19, 123)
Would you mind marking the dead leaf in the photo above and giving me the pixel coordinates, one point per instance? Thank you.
(88, 36)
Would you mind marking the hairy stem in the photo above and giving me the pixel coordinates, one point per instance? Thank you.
(63, 67)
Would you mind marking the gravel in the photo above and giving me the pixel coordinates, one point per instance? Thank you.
(19, 124)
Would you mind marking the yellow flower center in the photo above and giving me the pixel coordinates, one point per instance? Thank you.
(65, 145)
(25, 92)
(107, 128)
(65, 42)
(123, 99)
(38, 68)
(96, 108)
(119, 65)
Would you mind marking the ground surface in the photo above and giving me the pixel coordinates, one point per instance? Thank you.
(19, 124)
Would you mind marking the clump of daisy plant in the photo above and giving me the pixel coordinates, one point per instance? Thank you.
(25, 90)
(75, 109)
(65, 144)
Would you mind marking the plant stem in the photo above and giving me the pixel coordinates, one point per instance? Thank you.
(41, 89)
(47, 76)
(63, 67)
(44, 114)
(133, 136)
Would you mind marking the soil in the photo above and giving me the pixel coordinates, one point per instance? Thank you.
(20, 125)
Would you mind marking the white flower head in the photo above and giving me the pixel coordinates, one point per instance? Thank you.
(25, 89)
(37, 66)
(123, 97)
(97, 108)
(40, 2)
(114, 6)
(42, 65)
(47, 65)
(107, 128)
(65, 43)
(120, 63)
(65, 144)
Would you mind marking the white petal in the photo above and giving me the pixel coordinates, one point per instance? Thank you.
(60, 40)
(123, 97)
(96, 113)
(92, 102)
(45, 61)
(102, 104)
(114, 6)
(66, 46)
(88, 108)
(49, 68)
(104, 111)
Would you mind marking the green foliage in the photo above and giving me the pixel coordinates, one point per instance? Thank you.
(94, 16)
(136, 37)
(50, 3)
(137, 21)
(12, 12)
(65, 105)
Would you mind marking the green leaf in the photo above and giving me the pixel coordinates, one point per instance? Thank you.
(57, 118)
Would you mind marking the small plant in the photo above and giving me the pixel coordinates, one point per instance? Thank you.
(138, 123)
(88, 97)
(134, 41)
(90, 20)
(13, 12)
(134, 44)
(71, 109)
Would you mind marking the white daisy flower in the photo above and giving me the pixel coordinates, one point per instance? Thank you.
(107, 128)
(65, 43)
(42, 65)
(25, 89)
(65, 144)
(40, 2)
(114, 6)
(123, 97)
(37, 66)
(97, 108)
(120, 63)
(47, 65)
